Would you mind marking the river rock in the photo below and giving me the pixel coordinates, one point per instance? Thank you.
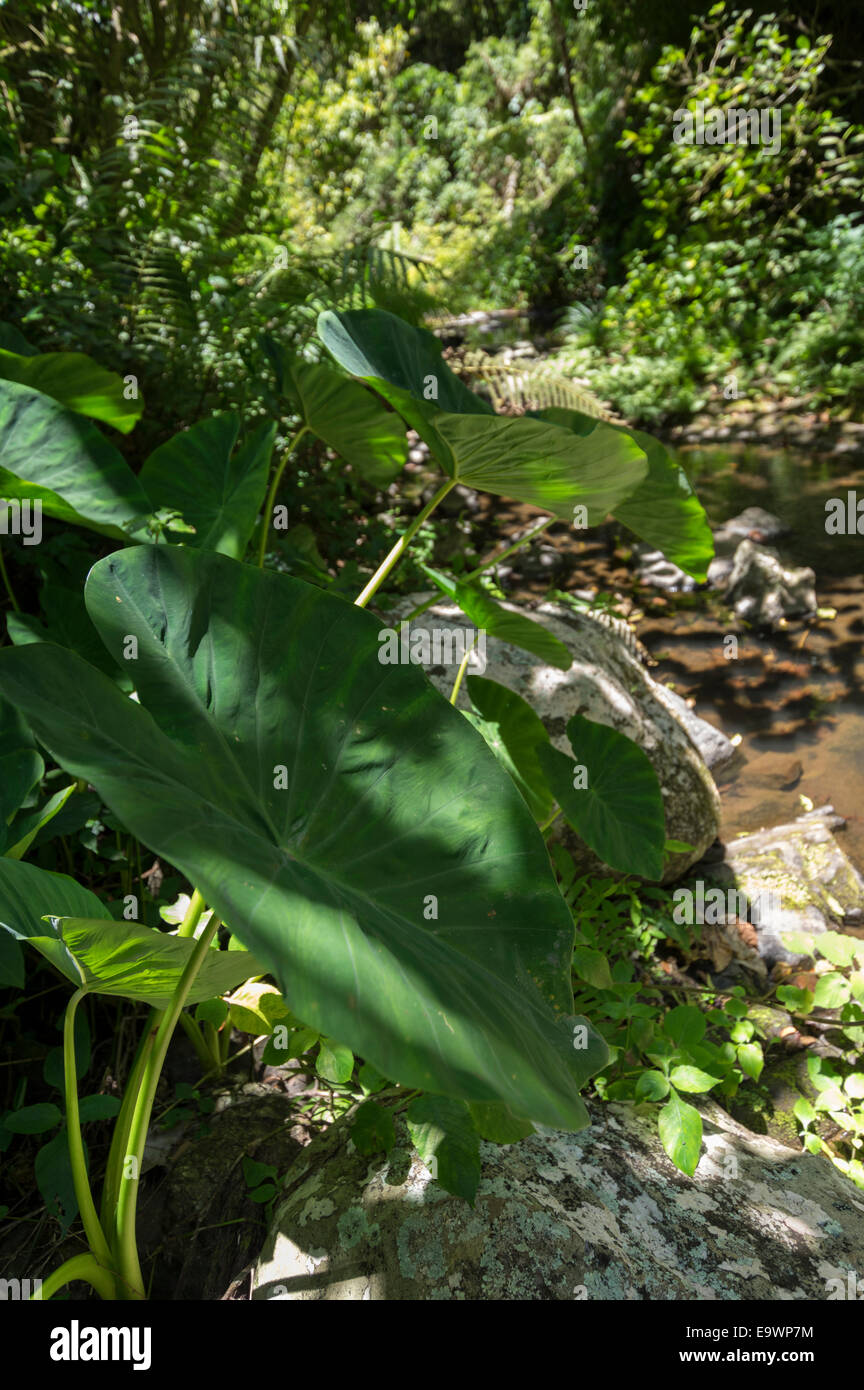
(763, 591)
(653, 569)
(606, 683)
(602, 1214)
(754, 524)
(716, 749)
(800, 876)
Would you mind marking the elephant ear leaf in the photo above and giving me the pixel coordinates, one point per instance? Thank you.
(351, 827)
(405, 366)
(79, 383)
(51, 455)
(610, 796)
(132, 961)
(531, 460)
(663, 510)
(349, 419)
(217, 488)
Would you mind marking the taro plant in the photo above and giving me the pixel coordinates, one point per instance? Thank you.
(347, 831)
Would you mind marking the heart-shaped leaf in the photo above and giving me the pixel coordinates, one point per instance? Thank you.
(51, 455)
(528, 459)
(348, 418)
(77, 382)
(405, 366)
(513, 732)
(610, 795)
(544, 465)
(137, 962)
(340, 815)
(664, 510)
(216, 488)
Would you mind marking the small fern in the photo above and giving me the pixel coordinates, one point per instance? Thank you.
(528, 385)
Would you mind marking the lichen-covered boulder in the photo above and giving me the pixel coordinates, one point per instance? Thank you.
(602, 1214)
(798, 875)
(606, 683)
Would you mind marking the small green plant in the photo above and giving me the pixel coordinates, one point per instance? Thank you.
(660, 1050)
(835, 1003)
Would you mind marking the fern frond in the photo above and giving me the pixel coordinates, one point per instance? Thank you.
(529, 385)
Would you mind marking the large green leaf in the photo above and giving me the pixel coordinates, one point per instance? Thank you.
(77, 382)
(664, 510)
(28, 894)
(405, 366)
(136, 962)
(350, 419)
(21, 767)
(527, 459)
(27, 824)
(340, 815)
(514, 732)
(489, 616)
(544, 465)
(616, 804)
(51, 454)
(217, 489)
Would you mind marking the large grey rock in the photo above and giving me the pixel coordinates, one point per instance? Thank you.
(803, 880)
(598, 1215)
(716, 749)
(606, 683)
(763, 591)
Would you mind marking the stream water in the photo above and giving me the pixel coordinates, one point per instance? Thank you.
(795, 697)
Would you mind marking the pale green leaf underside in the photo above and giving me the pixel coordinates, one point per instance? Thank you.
(136, 962)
